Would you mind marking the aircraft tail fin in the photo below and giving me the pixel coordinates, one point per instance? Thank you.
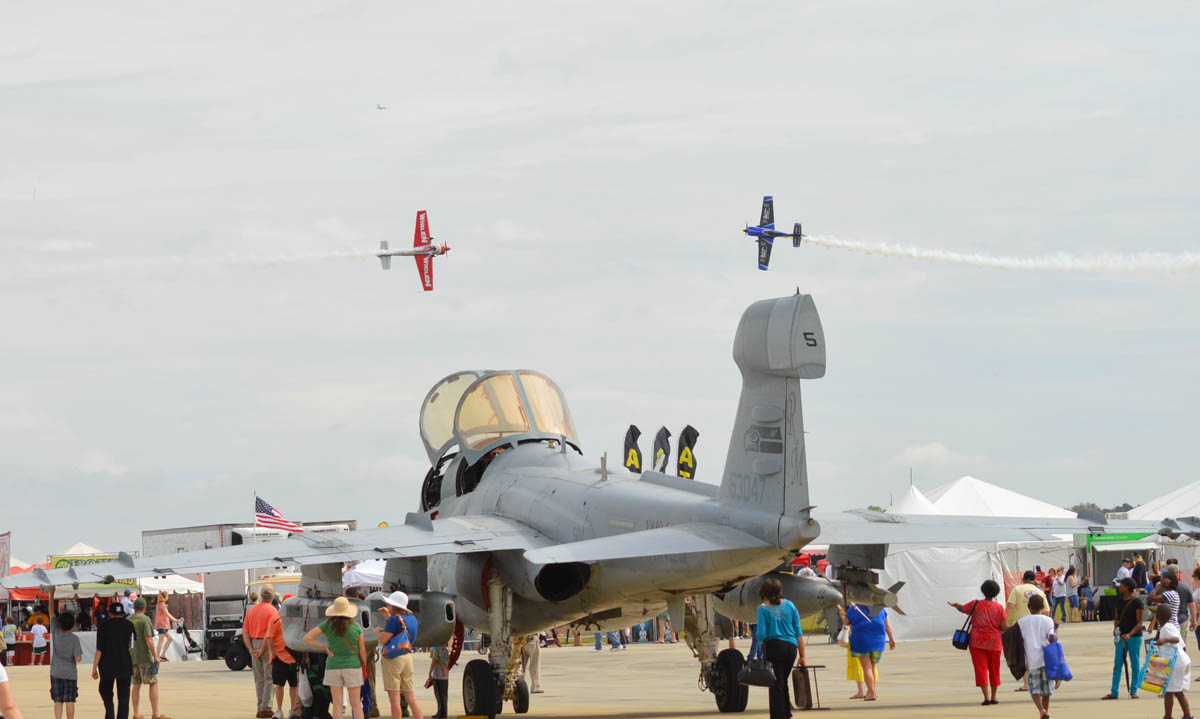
(797, 235)
(385, 260)
(778, 343)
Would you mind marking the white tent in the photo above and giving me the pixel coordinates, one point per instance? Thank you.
(80, 548)
(934, 575)
(173, 584)
(913, 502)
(1182, 502)
(975, 498)
(365, 574)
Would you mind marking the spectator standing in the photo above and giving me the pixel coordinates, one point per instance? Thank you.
(1124, 571)
(1165, 593)
(65, 653)
(1018, 598)
(870, 635)
(1195, 608)
(398, 670)
(987, 622)
(41, 646)
(10, 639)
(439, 679)
(531, 662)
(254, 635)
(1037, 631)
(1072, 582)
(1087, 605)
(145, 660)
(284, 670)
(1139, 570)
(782, 640)
(127, 602)
(1181, 673)
(112, 663)
(163, 619)
(1060, 595)
(346, 653)
(1127, 637)
(8, 707)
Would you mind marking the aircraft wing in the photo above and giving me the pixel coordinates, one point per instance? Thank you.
(416, 538)
(768, 213)
(677, 539)
(865, 527)
(421, 235)
(425, 270)
(764, 252)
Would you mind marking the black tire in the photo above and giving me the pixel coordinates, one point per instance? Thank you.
(237, 657)
(480, 697)
(521, 698)
(731, 695)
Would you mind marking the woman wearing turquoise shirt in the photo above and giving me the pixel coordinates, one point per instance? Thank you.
(782, 640)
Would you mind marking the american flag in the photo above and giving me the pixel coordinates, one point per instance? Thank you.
(267, 516)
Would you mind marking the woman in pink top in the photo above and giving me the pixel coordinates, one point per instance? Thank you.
(162, 624)
(987, 622)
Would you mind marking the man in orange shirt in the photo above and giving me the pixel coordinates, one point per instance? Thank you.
(254, 633)
(283, 669)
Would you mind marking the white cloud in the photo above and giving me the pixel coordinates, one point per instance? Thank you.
(95, 462)
(60, 246)
(937, 456)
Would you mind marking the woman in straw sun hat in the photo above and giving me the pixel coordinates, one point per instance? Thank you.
(347, 652)
(397, 655)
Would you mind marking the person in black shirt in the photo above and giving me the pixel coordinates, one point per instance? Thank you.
(1139, 571)
(1127, 637)
(113, 663)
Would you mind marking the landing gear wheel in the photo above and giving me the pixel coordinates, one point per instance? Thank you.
(237, 657)
(521, 697)
(731, 694)
(480, 697)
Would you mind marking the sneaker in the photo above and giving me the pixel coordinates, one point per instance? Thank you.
(598, 649)
(615, 648)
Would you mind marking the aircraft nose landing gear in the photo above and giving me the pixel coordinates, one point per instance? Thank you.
(487, 684)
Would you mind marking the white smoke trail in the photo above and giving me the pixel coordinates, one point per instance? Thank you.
(147, 266)
(1056, 262)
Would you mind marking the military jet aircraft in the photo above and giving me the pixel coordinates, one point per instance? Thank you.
(423, 251)
(518, 532)
(766, 233)
(380, 107)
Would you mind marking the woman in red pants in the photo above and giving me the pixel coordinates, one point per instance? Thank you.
(987, 622)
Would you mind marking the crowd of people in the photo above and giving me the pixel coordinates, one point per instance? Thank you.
(1154, 607)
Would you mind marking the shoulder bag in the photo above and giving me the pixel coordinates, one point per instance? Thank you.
(962, 638)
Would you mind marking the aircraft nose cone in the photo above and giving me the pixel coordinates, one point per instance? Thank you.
(829, 597)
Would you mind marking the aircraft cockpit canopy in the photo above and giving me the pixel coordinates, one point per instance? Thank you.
(475, 410)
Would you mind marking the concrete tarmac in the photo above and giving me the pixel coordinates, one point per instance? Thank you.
(652, 681)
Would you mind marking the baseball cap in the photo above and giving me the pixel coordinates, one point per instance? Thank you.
(116, 610)
(139, 603)
(128, 592)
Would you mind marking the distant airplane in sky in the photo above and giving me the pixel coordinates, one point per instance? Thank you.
(423, 251)
(380, 107)
(766, 233)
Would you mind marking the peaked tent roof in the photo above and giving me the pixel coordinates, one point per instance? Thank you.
(969, 496)
(1182, 502)
(81, 548)
(913, 502)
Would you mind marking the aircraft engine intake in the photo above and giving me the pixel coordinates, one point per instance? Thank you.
(560, 582)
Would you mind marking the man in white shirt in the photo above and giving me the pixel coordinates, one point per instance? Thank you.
(1037, 630)
(1123, 572)
(127, 602)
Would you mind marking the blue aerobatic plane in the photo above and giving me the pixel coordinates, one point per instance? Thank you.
(766, 233)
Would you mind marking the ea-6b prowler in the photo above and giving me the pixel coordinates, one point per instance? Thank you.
(519, 533)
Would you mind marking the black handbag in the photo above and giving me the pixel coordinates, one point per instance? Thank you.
(757, 673)
(962, 638)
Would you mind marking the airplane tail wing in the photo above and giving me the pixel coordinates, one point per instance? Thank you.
(385, 260)
(764, 251)
(425, 269)
(421, 235)
(797, 235)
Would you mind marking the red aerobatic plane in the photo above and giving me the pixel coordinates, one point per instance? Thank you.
(423, 251)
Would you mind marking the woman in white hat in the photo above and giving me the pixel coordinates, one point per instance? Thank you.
(347, 652)
(397, 656)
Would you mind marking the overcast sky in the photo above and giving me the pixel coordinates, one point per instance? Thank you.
(592, 165)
